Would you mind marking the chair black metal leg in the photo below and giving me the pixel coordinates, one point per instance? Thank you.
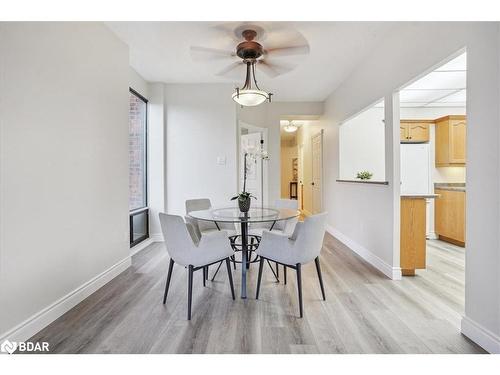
(190, 289)
(216, 271)
(272, 269)
(299, 287)
(234, 261)
(206, 272)
(284, 273)
(277, 271)
(169, 276)
(204, 275)
(230, 275)
(261, 266)
(320, 277)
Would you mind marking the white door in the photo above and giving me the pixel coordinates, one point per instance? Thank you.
(317, 172)
(254, 167)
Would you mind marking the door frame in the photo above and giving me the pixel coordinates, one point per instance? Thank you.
(265, 166)
(300, 185)
(322, 174)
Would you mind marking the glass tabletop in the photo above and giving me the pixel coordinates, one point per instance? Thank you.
(254, 215)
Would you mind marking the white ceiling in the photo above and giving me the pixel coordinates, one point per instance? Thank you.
(160, 52)
(444, 87)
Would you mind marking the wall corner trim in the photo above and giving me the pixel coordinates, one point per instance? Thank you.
(34, 324)
(393, 273)
(480, 335)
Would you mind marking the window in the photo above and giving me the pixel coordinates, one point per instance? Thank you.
(362, 146)
(138, 171)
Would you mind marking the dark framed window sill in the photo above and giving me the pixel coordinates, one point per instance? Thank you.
(365, 182)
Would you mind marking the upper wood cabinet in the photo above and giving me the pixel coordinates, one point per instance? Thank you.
(414, 131)
(451, 141)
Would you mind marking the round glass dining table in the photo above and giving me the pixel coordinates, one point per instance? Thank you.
(254, 215)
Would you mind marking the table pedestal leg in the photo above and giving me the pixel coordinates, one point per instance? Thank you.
(244, 256)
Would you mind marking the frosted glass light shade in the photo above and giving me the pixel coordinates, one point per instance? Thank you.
(291, 128)
(250, 98)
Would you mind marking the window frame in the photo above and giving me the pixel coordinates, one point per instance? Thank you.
(145, 208)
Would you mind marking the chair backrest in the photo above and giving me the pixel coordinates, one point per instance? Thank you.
(286, 225)
(309, 237)
(198, 205)
(178, 240)
(291, 204)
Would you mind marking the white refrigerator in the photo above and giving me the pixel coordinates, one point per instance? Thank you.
(415, 169)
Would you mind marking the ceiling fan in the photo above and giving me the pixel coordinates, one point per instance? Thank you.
(251, 54)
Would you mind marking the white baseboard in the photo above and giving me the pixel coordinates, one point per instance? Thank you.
(391, 272)
(142, 245)
(432, 236)
(480, 335)
(43, 318)
(157, 237)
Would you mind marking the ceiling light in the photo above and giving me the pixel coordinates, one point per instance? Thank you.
(248, 96)
(291, 127)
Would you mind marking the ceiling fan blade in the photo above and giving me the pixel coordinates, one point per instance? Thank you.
(273, 70)
(288, 51)
(213, 53)
(230, 68)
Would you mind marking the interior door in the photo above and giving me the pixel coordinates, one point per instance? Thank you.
(254, 167)
(317, 172)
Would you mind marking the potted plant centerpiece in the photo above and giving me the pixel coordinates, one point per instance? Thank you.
(250, 156)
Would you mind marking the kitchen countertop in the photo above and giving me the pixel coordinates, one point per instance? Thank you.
(419, 196)
(451, 186)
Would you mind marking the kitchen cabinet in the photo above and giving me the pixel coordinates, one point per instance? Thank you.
(449, 216)
(414, 131)
(451, 141)
(412, 239)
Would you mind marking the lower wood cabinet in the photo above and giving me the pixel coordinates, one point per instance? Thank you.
(413, 241)
(449, 216)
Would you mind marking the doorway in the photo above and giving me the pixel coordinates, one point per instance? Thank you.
(253, 137)
(433, 165)
(302, 164)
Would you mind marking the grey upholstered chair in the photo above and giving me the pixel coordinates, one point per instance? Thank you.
(203, 227)
(282, 226)
(192, 252)
(293, 251)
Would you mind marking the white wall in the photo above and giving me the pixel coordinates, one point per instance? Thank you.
(64, 168)
(138, 83)
(362, 145)
(200, 126)
(156, 158)
(406, 54)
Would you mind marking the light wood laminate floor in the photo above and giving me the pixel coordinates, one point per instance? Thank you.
(364, 312)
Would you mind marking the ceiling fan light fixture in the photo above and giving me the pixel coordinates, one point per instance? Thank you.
(248, 96)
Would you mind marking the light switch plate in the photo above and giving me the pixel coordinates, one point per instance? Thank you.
(221, 160)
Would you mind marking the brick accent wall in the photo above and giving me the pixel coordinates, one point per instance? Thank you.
(137, 152)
